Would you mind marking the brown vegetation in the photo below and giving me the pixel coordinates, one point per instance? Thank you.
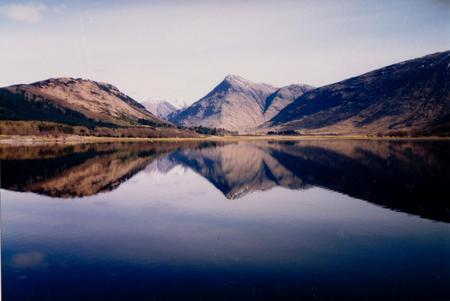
(45, 128)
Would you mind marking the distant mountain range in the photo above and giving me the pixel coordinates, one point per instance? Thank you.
(408, 98)
(237, 104)
(161, 108)
(412, 97)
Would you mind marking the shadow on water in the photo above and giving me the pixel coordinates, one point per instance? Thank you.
(408, 176)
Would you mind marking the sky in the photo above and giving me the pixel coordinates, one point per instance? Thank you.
(180, 50)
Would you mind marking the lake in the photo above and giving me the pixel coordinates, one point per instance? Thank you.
(261, 220)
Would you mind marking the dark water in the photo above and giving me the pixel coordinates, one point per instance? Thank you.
(227, 221)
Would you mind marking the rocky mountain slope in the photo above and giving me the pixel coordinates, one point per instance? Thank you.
(237, 104)
(73, 101)
(160, 108)
(283, 97)
(408, 98)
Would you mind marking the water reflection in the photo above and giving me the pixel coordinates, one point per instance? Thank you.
(226, 221)
(76, 171)
(409, 176)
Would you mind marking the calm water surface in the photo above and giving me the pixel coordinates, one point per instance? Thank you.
(226, 221)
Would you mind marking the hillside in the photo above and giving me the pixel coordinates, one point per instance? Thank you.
(408, 98)
(73, 101)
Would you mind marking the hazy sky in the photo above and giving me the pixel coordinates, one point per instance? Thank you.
(179, 50)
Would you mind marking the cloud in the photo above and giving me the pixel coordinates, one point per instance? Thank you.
(26, 12)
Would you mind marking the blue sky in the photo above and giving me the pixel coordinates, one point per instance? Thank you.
(179, 50)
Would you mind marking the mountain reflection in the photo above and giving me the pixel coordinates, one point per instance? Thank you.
(76, 171)
(412, 177)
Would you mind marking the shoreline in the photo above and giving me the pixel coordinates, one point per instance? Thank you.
(33, 140)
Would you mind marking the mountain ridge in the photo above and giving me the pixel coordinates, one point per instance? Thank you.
(410, 97)
(407, 98)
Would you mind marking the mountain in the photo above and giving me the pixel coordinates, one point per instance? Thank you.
(408, 98)
(73, 101)
(237, 104)
(160, 108)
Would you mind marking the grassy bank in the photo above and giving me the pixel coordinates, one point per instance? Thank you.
(73, 139)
